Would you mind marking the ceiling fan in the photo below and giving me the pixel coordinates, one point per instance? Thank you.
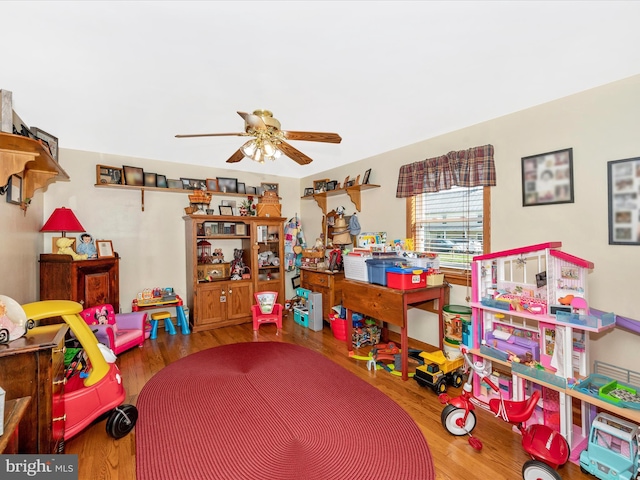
(268, 141)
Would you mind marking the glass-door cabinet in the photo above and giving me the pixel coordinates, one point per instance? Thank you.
(268, 253)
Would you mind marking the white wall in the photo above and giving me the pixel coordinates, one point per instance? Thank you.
(600, 125)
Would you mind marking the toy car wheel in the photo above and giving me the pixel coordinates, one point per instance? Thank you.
(452, 416)
(457, 379)
(537, 470)
(122, 420)
(31, 323)
(4, 335)
(441, 386)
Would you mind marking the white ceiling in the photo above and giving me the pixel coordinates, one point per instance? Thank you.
(125, 77)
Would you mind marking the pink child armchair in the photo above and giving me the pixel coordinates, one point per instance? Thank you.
(266, 310)
(118, 331)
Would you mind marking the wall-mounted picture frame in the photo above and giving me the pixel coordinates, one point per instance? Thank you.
(365, 179)
(624, 201)
(212, 184)
(250, 190)
(133, 176)
(268, 186)
(104, 249)
(150, 179)
(227, 185)
(349, 183)
(242, 188)
(547, 178)
(48, 139)
(332, 185)
(106, 175)
(308, 192)
(225, 210)
(193, 183)
(161, 181)
(14, 190)
(175, 184)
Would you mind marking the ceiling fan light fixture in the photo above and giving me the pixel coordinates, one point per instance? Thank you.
(249, 148)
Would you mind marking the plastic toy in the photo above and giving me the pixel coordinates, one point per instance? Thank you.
(13, 321)
(547, 448)
(98, 390)
(612, 452)
(438, 371)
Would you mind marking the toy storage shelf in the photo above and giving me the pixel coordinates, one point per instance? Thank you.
(353, 192)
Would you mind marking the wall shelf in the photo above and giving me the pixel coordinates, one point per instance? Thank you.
(353, 192)
(32, 160)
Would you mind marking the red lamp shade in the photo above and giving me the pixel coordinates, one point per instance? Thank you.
(62, 220)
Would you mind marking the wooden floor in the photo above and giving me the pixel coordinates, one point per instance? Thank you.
(101, 457)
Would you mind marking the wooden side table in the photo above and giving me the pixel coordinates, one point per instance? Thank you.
(14, 411)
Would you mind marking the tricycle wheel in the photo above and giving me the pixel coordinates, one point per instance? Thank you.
(537, 470)
(450, 418)
(122, 420)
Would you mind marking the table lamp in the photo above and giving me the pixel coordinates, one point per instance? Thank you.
(61, 220)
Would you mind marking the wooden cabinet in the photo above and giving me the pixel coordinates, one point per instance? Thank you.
(218, 302)
(329, 284)
(88, 282)
(33, 366)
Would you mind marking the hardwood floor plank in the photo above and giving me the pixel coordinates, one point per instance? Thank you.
(101, 457)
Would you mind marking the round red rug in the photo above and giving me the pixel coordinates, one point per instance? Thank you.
(268, 410)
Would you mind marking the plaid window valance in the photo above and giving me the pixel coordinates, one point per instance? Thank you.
(473, 167)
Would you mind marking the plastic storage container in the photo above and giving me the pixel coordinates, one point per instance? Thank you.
(406, 278)
(377, 269)
(355, 267)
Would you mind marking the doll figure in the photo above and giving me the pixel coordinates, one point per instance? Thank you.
(86, 246)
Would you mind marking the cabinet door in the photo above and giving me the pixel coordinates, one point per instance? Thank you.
(239, 300)
(210, 304)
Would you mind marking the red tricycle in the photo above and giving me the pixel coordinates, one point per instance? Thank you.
(547, 448)
(97, 390)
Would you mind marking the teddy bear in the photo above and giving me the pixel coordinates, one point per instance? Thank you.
(64, 248)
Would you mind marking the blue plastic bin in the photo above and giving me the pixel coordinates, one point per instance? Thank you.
(377, 269)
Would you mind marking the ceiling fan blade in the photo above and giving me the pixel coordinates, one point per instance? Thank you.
(294, 154)
(313, 136)
(236, 157)
(243, 134)
(253, 121)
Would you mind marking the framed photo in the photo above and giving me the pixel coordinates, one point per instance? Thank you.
(349, 183)
(212, 184)
(547, 178)
(320, 185)
(14, 191)
(365, 179)
(225, 210)
(624, 202)
(241, 229)
(332, 185)
(104, 248)
(175, 184)
(193, 184)
(227, 185)
(150, 179)
(133, 176)
(48, 139)
(242, 188)
(251, 190)
(161, 181)
(269, 186)
(106, 175)
(308, 192)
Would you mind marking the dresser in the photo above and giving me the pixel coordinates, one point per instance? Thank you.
(33, 366)
(88, 282)
(329, 284)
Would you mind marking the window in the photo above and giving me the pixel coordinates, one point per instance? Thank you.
(453, 223)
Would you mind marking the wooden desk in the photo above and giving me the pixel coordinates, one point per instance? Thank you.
(14, 411)
(389, 305)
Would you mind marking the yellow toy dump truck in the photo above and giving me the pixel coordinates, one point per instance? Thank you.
(438, 370)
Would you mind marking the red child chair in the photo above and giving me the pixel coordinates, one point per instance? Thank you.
(118, 331)
(266, 310)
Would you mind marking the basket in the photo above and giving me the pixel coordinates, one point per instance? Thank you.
(355, 267)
